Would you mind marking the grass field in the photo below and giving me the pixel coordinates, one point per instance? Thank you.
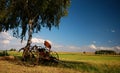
(69, 63)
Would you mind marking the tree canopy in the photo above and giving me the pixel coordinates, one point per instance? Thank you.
(16, 14)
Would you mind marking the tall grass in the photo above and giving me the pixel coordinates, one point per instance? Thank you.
(92, 63)
(69, 63)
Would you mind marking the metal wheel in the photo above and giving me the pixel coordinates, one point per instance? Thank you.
(54, 56)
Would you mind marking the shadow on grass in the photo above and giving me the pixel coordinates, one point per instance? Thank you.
(75, 65)
(79, 66)
(82, 66)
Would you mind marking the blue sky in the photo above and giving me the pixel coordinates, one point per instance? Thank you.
(91, 24)
(88, 21)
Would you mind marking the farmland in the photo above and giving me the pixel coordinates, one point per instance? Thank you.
(70, 62)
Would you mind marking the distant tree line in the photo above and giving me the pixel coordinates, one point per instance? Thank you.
(4, 53)
(12, 49)
(111, 52)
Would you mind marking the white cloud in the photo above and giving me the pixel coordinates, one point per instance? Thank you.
(5, 41)
(92, 46)
(12, 42)
(5, 35)
(58, 46)
(70, 48)
(5, 38)
(74, 47)
(117, 47)
(37, 40)
(106, 48)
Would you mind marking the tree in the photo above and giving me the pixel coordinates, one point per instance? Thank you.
(12, 49)
(105, 52)
(30, 16)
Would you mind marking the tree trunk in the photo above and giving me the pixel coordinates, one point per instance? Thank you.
(26, 50)
(30, 33)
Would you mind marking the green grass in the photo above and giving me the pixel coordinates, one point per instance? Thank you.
(15, 53)
(80, 63)
(91, 57)
(92, 63)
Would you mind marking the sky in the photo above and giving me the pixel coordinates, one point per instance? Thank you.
(90, 25)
